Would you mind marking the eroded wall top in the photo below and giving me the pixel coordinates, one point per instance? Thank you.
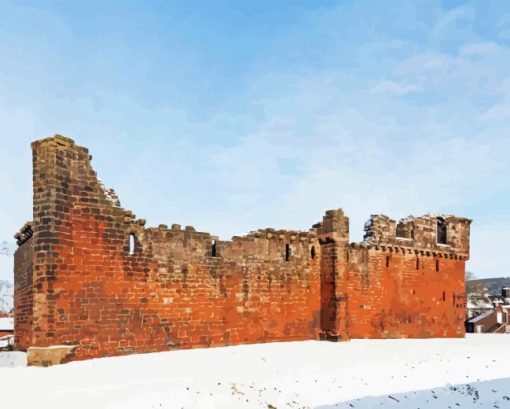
(429, 232)
(441, 233)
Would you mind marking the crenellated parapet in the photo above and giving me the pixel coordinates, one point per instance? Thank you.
(24, 234)
(428, 234)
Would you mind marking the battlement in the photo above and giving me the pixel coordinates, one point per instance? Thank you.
(92, 276)
(428, 233)
(334, 225)
(24, 234)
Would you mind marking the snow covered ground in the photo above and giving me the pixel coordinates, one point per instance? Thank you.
(10, 360)
(437, 373)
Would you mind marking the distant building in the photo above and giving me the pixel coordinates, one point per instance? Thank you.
(488, 313)
(478, 302)
(6, 326)
(6, 333)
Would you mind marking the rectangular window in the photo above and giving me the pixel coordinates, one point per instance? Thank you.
(441, 231)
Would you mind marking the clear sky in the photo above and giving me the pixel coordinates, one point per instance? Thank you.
(237, 115)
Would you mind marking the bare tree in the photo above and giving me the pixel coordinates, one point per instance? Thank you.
(470, 276)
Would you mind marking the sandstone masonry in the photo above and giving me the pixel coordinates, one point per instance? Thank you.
(91, 280)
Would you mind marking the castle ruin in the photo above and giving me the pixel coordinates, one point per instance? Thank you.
(91, 280)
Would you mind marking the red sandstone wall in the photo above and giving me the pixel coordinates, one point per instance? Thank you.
(171, 293)
(23, 295)
(78, 284)
(392, 295)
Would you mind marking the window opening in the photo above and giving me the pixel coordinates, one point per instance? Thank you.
(441, 231)
(213, 248)
(132, 244)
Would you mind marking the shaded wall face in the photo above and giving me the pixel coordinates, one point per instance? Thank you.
(23, 295)
(170, 292)
(403, 295)
(328, 288)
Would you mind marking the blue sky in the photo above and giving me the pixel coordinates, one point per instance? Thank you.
(236, 115)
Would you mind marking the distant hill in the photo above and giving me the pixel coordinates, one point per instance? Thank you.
(494, 285)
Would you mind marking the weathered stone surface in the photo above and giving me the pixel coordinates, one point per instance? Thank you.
(93, 276)
(55, 355)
